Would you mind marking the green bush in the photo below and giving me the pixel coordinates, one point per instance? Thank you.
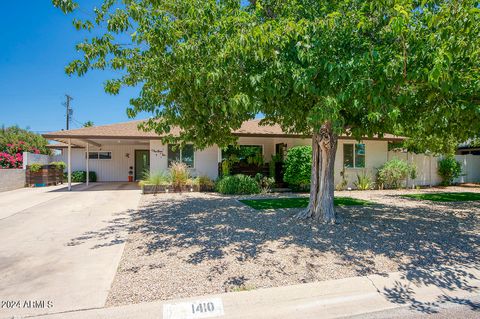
(81, 176)
(394, 172)
(266, 183)
(59, 165)
(205, 183)
(155, 178)
(238, 184)
(35, 167)
(449, 169)
(298, 166)
(364, 182)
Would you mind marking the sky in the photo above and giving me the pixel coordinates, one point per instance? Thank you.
(37, 42)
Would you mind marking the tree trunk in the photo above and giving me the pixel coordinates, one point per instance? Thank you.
(324, 148)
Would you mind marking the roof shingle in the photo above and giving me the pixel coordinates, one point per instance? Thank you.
(129, 130)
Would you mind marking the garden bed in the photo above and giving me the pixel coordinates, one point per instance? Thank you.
(46, 175)
(154, 189)
(184, 245)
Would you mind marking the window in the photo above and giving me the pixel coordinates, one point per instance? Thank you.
(354, 155)
(99, 155)
(184, 155)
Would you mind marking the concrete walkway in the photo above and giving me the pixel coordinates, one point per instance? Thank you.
(60, 250)
(341, 298)
(18, 200)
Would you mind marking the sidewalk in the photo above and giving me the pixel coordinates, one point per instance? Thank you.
(327, 299)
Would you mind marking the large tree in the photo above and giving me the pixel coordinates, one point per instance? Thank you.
(322, 68)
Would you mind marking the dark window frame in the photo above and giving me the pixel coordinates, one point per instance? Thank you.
(354, 155)
(97, 155)
(180, 153)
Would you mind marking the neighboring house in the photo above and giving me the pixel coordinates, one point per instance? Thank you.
(468, 148)
(113, 149)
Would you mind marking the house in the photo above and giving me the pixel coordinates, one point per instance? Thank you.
(469, 147)
(114, 149)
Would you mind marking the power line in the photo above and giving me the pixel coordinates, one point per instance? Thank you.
(77, 122)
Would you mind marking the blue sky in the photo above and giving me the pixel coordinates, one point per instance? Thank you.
(37, 41)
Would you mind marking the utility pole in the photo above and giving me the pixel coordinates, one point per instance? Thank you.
(69, 110)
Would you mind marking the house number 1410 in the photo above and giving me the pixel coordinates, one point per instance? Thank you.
(203, 307)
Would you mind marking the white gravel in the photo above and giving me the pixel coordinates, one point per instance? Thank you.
(197, 243)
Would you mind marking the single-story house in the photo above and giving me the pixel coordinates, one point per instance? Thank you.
(114, 149)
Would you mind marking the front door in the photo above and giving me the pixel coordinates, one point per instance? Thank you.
(142, 163)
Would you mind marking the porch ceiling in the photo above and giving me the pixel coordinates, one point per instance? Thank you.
(82, 143)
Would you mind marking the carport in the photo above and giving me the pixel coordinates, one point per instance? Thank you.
(113, 152)
(77, 143)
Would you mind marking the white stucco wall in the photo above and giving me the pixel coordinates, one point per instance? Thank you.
(375, 156)
(205, 161)
(158, 156)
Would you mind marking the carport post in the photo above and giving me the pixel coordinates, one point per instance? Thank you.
(86, 166)
(69, 165)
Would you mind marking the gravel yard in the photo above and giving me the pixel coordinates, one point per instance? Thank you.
(191, 244)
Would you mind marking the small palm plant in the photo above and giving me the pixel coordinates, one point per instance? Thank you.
(157, 179)
(364, 182)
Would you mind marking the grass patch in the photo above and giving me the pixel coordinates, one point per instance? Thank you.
(296, 202)
(446, 197)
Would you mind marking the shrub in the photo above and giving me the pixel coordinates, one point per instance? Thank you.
(264, 182)
(155, 178)
(298, 166)
(59, 165)
(225, 168)
(81, 176)
(394, 172)
(228, 162)
(238, 184)
(205, 183)
(179, 175)
(272, 165)
(449, 169)
(35, 167)
(11, 160)
(364, 182)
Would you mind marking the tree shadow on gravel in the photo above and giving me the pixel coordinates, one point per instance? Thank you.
(432, 247)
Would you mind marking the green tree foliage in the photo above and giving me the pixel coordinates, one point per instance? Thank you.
(449, 169)
(30, 141)
(297, 167)
(88, 124)
(346, 66)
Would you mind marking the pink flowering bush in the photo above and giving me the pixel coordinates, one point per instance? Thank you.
(11, 161)
(11, 156)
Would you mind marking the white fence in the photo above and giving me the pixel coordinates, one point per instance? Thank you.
(427, 168)
(470, 168)
(30, 158)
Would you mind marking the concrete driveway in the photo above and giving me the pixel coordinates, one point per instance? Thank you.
(60, 250)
